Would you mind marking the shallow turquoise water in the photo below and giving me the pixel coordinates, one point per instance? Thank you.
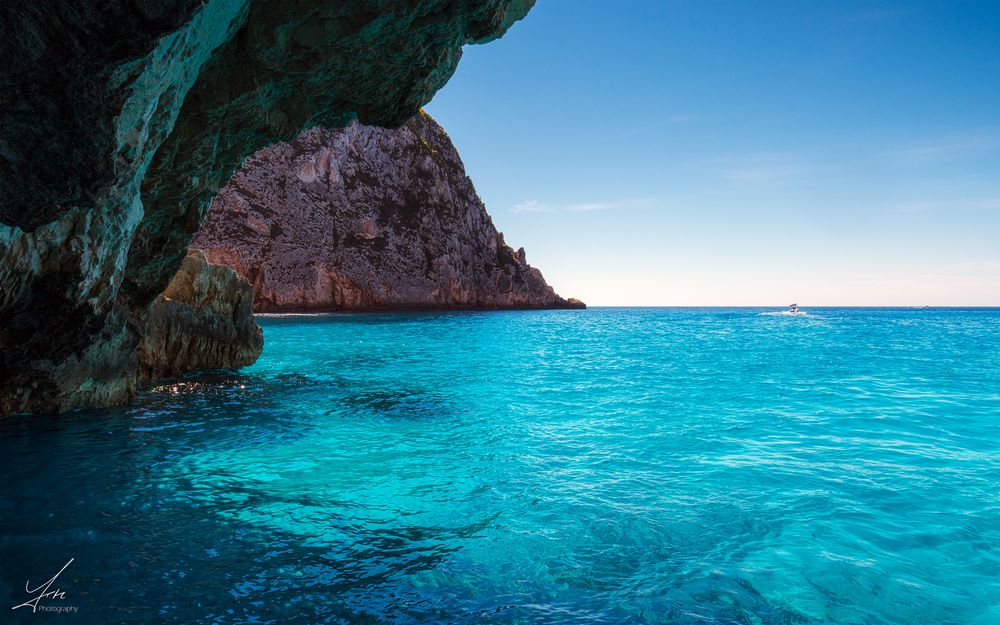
(600, 466)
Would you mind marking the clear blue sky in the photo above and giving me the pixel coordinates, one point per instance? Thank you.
(703, 152)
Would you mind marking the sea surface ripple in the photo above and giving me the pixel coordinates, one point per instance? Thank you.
(604, 466)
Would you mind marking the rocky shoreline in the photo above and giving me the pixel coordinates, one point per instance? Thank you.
(136, 118)
(359, 219)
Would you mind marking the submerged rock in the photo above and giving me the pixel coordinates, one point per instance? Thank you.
(203, 320)
(364, 218)
(122, 119)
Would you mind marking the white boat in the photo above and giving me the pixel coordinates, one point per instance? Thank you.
(793, 311)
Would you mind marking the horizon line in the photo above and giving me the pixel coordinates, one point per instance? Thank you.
(916, 306)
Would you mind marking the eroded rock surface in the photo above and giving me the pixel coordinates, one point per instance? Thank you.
(363, 218)
(202, 320)
(121, 119)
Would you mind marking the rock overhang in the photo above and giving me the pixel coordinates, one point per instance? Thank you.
(121, 120)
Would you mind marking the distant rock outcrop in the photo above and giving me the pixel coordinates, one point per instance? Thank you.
(203, 320)
(363, 218)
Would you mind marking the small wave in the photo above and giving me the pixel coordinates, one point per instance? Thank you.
(785, 313)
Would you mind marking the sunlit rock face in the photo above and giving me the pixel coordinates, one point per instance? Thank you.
(202, 320)
(121, 119)
(363, 218)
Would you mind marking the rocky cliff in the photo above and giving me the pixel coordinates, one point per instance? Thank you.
(121, 119)
(363, 218)
(202, 320)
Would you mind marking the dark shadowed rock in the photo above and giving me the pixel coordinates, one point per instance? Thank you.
(203, 320)
(366, 218)
(121, 119)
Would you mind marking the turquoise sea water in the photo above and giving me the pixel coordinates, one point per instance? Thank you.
(603, 466)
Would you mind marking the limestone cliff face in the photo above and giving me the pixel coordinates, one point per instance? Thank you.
(121, 119)
(203, 320)
(366, 218)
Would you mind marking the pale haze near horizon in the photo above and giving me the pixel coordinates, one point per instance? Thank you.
(688, 153)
